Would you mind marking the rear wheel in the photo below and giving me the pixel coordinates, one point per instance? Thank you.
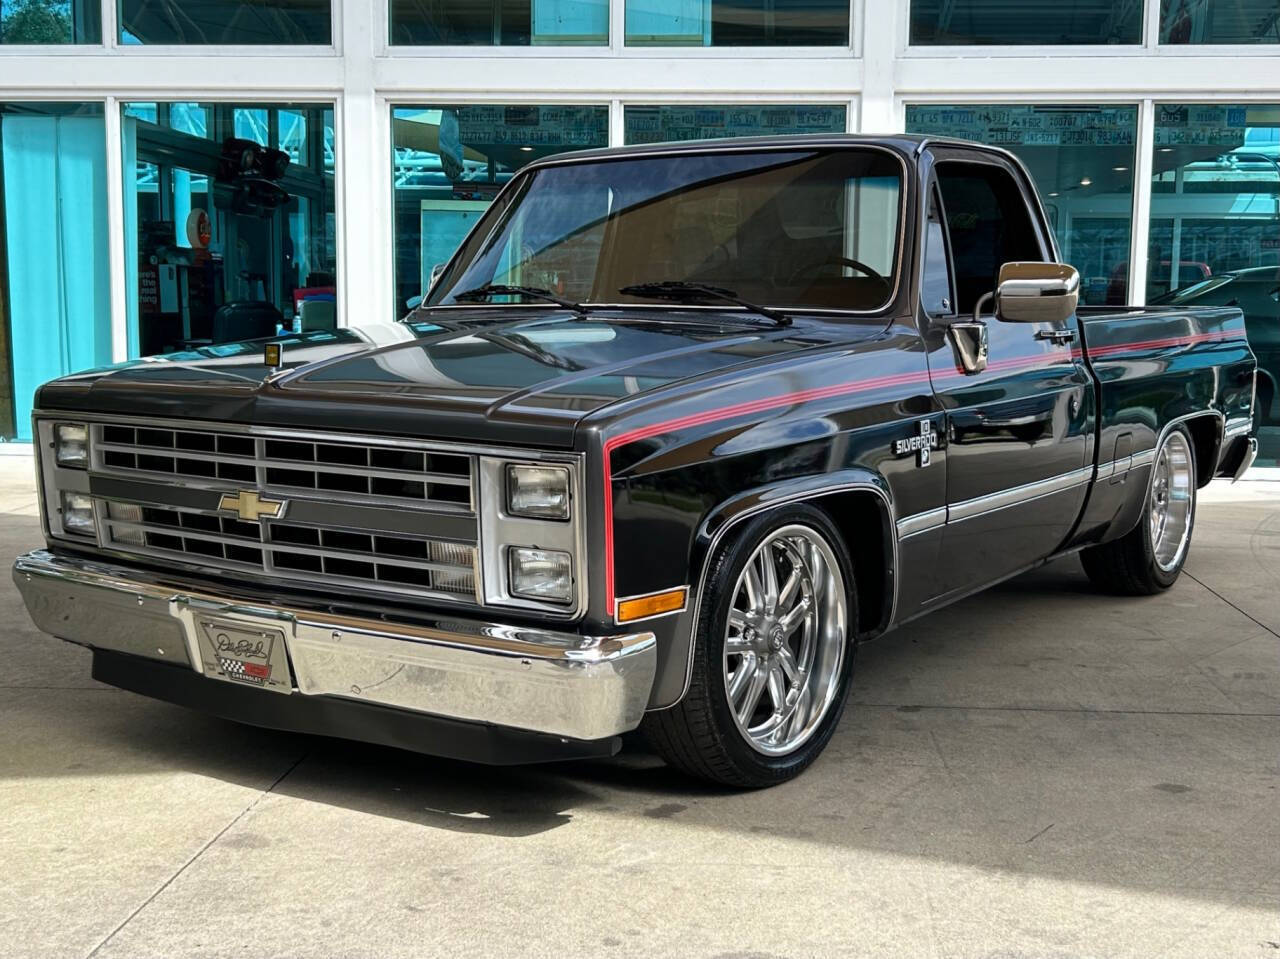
(773, 655)
(1149, 557)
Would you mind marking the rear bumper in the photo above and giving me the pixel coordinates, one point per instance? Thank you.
(536, 681)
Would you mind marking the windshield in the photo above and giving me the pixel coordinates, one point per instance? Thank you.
(805, 228)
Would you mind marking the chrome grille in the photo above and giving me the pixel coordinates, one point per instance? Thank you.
(395, 562)
(360, 470)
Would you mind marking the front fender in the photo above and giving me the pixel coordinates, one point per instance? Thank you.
(672, 681)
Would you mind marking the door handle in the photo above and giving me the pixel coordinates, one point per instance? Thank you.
(1056, 336)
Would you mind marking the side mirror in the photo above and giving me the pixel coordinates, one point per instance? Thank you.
(1037, 292)
(435, 275)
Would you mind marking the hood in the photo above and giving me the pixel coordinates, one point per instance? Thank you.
(512, 377)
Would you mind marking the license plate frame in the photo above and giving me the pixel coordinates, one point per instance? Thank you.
(243, 652)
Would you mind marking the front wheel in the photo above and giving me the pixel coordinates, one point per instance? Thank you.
(773, 655)
(1149, 557)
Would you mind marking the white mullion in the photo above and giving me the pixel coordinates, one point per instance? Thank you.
(110, 25)
(1144, 163)
(617, 26)
(1151, 25)
(617, 123)
(116, 253)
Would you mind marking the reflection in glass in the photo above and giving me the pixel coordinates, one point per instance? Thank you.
(448, 162)
(1037, 22)
(803, 229)
(231, 241)
(45, 22)
(1220, 21)
(1081, 159)
(1215, 227)
(664, 124)
(225, 22)
(55, 303)
(738, 23)
(505, 23)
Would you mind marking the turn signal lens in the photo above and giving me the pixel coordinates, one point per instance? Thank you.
(77, 514)
(645, 606)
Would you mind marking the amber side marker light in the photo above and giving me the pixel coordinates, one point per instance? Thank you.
(655, 605)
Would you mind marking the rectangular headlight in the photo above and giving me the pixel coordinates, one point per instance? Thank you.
(538, 492)
(77, 514)
(545, 574)
(71, 445)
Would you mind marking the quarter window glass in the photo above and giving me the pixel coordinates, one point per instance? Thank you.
(226, 22)
(482, 23)
(448, 163)
(1215, 228)
(1081, 159)
(1031, 22)
(665, 124)
(738, 23)
(1219, 21)
(935, 295)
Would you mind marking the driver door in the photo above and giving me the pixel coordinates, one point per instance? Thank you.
(1019, 432)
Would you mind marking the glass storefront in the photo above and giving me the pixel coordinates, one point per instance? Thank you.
(227, 235)
(1219, 21)
(448, 162)
(1215, 228)
(50, 21)
(226, 22)
(518, 23)
(738, 23)
(55, 298)
(1081, 158)
(1033, 23)
(663, 124)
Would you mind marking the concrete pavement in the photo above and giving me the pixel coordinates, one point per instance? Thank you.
(1038, 772)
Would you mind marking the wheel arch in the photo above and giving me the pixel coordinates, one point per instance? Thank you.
(1206, 440)
(849, 497)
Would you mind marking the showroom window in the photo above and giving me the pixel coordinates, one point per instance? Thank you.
(733, 23)
(227, 236)
(1215, 227)
(1081, 158)
(50, 21)
(55, 300)
(519, 23)
(1220, 21)
(448, 163)
(1034, 23)
(226, 22)
(661, 124)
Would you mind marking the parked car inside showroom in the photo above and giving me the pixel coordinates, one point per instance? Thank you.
(675, 430)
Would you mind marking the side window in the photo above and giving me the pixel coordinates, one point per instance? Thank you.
(936, 295)
(989, 224)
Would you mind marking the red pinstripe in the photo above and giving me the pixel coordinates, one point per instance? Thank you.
(843, 389)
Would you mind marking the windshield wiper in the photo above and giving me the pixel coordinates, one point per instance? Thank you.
(490, 290)
(682, 291)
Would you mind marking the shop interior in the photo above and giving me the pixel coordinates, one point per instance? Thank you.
(229, 222)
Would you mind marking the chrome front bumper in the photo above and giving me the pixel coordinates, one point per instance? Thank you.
(562, 684)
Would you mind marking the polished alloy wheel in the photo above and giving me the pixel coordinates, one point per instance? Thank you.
(1172, 492)
(785, 640)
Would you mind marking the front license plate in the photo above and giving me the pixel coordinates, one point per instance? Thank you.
(243, 653)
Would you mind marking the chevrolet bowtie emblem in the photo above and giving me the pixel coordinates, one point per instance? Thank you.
(250, 506)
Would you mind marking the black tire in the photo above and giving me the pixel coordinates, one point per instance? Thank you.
(699, 735)
(1128, 566)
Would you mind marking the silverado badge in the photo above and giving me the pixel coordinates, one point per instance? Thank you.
(920, 444)
(250, 506)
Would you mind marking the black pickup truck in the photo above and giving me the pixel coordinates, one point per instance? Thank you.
(672, 433)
